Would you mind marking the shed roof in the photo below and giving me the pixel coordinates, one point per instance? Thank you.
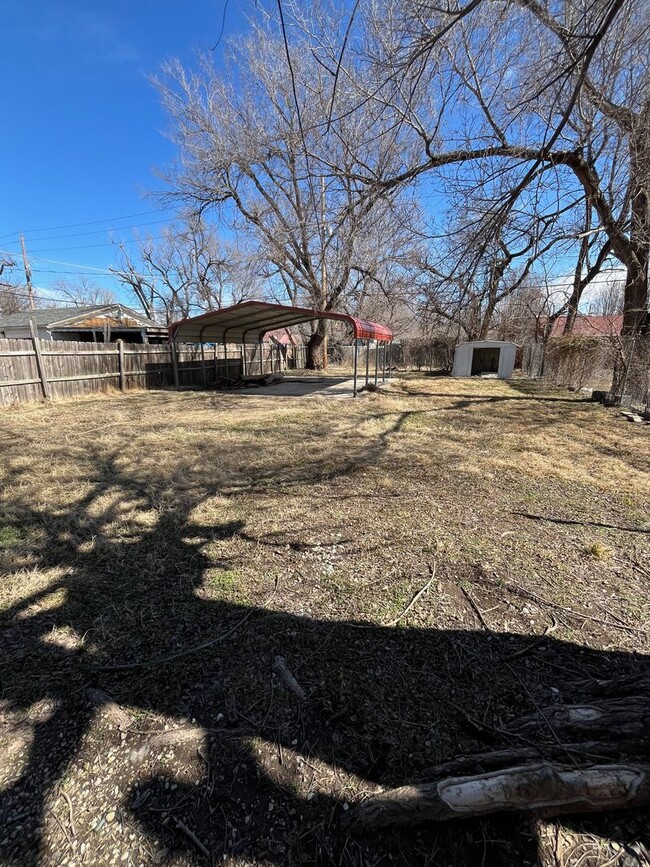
(249, 321)
(487, 343)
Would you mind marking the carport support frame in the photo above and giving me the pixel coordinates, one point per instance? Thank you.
(356, 366)
(177, 382)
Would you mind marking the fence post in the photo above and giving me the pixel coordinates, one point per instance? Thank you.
(120, 364)
(39, 359)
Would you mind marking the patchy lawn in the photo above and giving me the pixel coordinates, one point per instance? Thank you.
(194, 537)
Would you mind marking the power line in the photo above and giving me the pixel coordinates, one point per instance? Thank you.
(89, 268)
(40, 297)
(74, 273)
(88, 223)
(94, 232)
(88, 246)
(223, 26)
(70, 264)
(338, 65)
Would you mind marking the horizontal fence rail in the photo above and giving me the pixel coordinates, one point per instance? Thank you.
(35, 369)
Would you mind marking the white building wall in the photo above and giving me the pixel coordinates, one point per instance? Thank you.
(462, 360)
(507, 360)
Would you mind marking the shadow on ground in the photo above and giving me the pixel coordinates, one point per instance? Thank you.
(272, 782)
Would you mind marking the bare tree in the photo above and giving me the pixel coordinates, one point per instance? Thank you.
(82, 291)
(12, 299)
(469, 274)
(183, 272)
(523, 85)
(608, 299)
(254, 144)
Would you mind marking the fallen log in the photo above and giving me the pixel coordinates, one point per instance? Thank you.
(480, 763)
(616, 687)
(612, 718)
(541, 789)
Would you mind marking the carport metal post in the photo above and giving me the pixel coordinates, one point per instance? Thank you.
(367, 360)
(376, 361)
(243, 358)
(177, 383)
(383, 361)
(205, 372)
(261, 349)
(356, 366)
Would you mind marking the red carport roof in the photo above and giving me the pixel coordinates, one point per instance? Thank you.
(249, 321)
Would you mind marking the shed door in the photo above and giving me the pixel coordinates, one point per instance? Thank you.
(486, 360)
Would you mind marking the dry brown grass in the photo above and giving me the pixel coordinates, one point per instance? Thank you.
(134, 526)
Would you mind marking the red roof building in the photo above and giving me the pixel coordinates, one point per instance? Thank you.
(587, 325)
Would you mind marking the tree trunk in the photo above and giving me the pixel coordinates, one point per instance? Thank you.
(567, 774)
(542, 789)
(635, 316)
(317, 347)
(635, 311)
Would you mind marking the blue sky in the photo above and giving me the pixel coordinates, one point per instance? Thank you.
(82, 127)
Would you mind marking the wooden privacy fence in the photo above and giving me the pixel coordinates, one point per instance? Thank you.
(40, 369)
(37, 369)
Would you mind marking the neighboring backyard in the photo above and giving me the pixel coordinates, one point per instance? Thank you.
(135, 529)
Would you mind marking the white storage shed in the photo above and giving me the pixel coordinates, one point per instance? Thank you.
(485, 356)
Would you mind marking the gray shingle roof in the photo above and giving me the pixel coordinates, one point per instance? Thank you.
(51, 315)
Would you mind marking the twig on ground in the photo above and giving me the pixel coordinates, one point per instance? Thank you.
(150, 663)
(192, 836)
(61, 826)
(525, 650)
(414, 599)
(479, 613)
(69, 802)
(282, 670)
(521, 591)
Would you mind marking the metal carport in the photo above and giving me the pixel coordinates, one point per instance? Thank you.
(249, 321)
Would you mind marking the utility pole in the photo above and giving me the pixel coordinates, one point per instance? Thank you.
(28, 274)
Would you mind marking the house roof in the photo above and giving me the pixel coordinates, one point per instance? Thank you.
(282, 336)
(587, 325)
(249, 321)
(50, 316)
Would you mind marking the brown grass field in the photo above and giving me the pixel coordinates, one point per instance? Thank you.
(193, 537)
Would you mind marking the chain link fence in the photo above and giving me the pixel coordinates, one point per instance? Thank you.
(617, 365)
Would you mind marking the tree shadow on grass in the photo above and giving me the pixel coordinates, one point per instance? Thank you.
(272, 780)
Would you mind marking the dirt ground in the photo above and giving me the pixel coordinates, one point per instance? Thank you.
(164, 548)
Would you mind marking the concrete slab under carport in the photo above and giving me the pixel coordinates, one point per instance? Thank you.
(308, 386)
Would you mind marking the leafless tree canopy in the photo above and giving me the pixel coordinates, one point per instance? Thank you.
(12, 297)
(523, 88)
(255, 145)
(400, 155)
(186, 271)
(82, 291)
